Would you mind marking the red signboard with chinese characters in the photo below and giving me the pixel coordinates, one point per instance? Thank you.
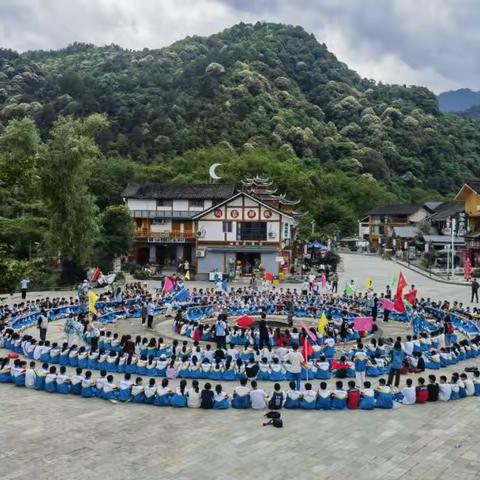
(251, 214)
(218, 213)
(234, 213)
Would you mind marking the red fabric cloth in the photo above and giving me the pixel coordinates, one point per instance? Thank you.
(245, 321)
(353, 399)
(411, 297)
(307, 350)
(402, 283)
(197, 335)
(398, 305)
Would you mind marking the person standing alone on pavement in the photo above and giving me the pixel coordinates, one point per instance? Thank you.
(475, 286)
(263, 330)
(42, 324)
(23, 287)
(150, 313)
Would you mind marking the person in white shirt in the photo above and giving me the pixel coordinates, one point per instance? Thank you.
(258, 397)
(30, 376)
(409, 393)
(469, 385)
(445, 389)
(193, 400)
(295, 359)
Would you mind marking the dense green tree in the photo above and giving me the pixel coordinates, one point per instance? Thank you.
(66, 166)
(116, 231)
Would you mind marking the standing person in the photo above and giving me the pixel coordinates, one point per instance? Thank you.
(398, 356)
(150, 312)
(295, 358)
(374, 310)
(24, 287)
(186, 268)
(94, 334)
(42, 324)
(335, 282)
(263, 330)
(221, 331)
(143, 312)
(360, 359)
(475, 287)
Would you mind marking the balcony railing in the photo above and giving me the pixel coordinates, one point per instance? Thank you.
(145, 235)
(163, 213)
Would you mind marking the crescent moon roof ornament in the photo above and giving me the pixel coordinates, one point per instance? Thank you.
(212, 173)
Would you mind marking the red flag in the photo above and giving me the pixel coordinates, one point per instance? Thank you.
(269, 277)
(411, 297)
(96, 274)
(402, 283)
(245, 321)
(399, 306)
(307, 349)
(309, 333)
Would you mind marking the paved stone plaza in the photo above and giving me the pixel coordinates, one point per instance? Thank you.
(54, 437)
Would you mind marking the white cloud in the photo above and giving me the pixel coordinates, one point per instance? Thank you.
(429, 42)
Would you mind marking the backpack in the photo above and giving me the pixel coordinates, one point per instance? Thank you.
(275, 422)
(272, 415)
(276, 401)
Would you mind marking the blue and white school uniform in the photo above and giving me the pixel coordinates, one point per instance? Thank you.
(263, 372)
(476, 384)
(241, 398)
(111, 363)
(141, 367)
(18, 376)
(455, 391)
(125, 391)
(220, 401)
(323, 371)
(122, 361)
(110, 391)
(339, 399)
(309, 400)
(462, 391)
(151, 369)
(40, 379)
(99, 384)
(229, 374)
(63, 360)
(162, 367)
(367, 401)
(131, 367)
(55, 356)
(292, 400)
(50, 383)
(88, 389)
(77, 384)
(163, 396)
(324, 401)
(178, 400)
(73, 358)
(138, 394)
(150, 394)
(277, 372)
(63, 384)
(83, 359)
(384, 397)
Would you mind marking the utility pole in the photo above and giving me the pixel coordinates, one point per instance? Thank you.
(454, 225)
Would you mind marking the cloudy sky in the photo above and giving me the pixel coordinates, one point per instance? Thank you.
(423, 42)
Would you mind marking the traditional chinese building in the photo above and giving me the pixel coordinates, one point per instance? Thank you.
(217, 228)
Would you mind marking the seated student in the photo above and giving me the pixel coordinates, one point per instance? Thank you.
(276, 398)
(292, 397)
(339, 397)
(138, 391)
(476, 382)
(324, 400)
(30, 375)
(110, 390)
(179, 399)
(408, 393)
(323, 369)
(433, 389)
(19, 374)
(469, 385)
(258, 397)
(150, 391)
(77, 380)
(444, 389)
(101, 380)
(172, 370)
(88, 386)
(353, 396)
(383, 395)
(220, 399)
(125, 388)
(50, 380)
(163, 395)
(277, 371)
(194, 395)
(42, 373)
(455, 383)
(5, 375)
(241, 395)
(367, 400)
(63, 381)
(207, 397)
(309, 398)
(421, 391)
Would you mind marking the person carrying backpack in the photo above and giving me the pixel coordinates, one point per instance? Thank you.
(276, 399)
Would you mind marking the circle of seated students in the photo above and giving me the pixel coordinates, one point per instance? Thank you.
(344, 396)
(152, 357)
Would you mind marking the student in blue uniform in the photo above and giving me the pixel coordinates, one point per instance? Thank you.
(324, 400)
(241, 395)
(125, 388)
(77, 380)
(220, 399)
(292, 400)
(339, 397)
(383, 395)
(163, 395)
(367, 398)
(51, 380)
(179, 398)
(63, 382)
(88, 386)
(138, 391)
(309, 397)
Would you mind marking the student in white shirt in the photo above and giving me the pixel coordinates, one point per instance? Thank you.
(409, 393)
(445, 389)
(469, 385)
(258, 397)
(193, 400)
(30, 376)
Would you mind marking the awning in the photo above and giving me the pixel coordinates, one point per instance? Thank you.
(443, 240)
(241, 249)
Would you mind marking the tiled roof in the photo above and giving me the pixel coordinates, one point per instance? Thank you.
(403, 209)
(172, 192)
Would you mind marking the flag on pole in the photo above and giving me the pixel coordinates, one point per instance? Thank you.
(182, 295)
(92, 300)
(399, 306)
(168, 285)
(309, 333)
(349, 290)
(363, 324)
(322, 324)
(368, 283)
(402, 283)
(388, 305)
(245, 321)
(307, 349)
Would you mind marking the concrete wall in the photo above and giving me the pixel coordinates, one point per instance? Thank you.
(212, 261)
(269, 263)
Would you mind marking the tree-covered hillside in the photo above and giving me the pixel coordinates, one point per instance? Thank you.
(260, 85)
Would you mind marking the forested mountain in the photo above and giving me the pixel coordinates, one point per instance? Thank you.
(263, 98)
(458, 100)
